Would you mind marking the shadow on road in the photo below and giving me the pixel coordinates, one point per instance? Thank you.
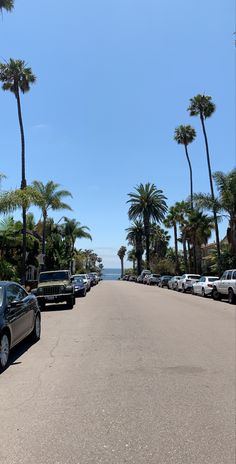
(18, 350)
(55, 307)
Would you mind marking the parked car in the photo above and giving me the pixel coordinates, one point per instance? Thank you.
(86, 280)
(55, 287)
(173, 283)
(19, 317)
(93, 279)
(133, 278)
(225, 287)
(153, 279)
(204, 285)
(186, 282)
(139, 279)
(143, 274)
(164, 281)
(79, 286)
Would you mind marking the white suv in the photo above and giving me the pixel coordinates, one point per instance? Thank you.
(225, 287)
(186, 282)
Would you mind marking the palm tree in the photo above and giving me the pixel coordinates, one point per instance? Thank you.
(171, 221)
(226, 201)
(135, 238)
(49, 197)
(72, 230)
(185, 135)
(132, 257)
(199, 226)
(182, 209)
(121, 253)
(203, 106)
(16, 78)
(148, 204)
(7, 5)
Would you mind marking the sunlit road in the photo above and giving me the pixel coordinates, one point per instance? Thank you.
(133, 374)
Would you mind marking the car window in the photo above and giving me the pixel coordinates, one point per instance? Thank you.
(213, 279)
(1, 296)
(15, 293)
(229, 275)
(234, 275)
(224, 276)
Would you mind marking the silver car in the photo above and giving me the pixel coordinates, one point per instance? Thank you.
(86, 280)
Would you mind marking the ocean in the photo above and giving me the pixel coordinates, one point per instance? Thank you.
(111, 274)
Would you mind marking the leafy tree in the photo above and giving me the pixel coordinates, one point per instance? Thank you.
(7, 5)
(121, 253)
(132, 257)
(199, 226)
(49, 197)
(135, 238)
(72, 230)
(203, 106)
(147, 203)
(159, 240)
(17, 77)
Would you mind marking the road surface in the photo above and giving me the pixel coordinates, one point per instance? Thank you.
(133, 374)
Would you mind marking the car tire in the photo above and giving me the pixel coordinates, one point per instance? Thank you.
(42, 305)
(70, 302)
(192, 291)
(36, 332)
(183, 289)
(216, 295)
(4, 351)
(231, 296)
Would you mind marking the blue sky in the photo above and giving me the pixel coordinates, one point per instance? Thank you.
(114, 79)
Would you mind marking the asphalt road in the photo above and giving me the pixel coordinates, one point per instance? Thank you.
(132, 374)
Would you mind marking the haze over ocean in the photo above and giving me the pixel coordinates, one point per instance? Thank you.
(111, 274)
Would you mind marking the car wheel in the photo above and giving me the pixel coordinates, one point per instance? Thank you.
(42, 305)
(193, 292)
(4, 351)
(203, 293)
(216, 295)
(183, 289)
(231, 296)
(36, 333)
(70, 302)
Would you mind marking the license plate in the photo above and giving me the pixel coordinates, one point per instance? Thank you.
(49, 298)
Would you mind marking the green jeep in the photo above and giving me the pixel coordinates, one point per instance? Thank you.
(55, 287)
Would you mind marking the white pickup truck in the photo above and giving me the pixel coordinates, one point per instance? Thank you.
(225, 287)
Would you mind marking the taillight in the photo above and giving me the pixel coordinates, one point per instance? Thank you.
(210, 285)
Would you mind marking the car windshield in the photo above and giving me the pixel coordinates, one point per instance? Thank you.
(155, 275)
(193, 276)
(1, 296)
(78, 280)
(49, 276)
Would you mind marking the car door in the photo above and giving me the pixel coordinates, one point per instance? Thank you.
(221, 282)
(17, 315)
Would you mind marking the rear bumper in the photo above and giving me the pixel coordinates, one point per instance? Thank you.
(54, 298)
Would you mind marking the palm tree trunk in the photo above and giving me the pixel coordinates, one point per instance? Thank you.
(190, 174)
(176, 250)
(122, 267)
(185, 253)
(147, 240)
(212, 194)
(23, 186)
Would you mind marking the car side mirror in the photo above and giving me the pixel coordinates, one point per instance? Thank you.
(13, 304)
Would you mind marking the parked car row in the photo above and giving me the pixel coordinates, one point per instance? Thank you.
(20, 314)
(218, 288)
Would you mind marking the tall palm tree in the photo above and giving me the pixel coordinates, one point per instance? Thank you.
(132, 257)
(171, 221)
(185, 135)
(7, 5)
(203, 106)
(72, 230)
(49, 197)
(147, 203)
(16, 78)
(121, 253)
(135, 238)
(182, 209)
